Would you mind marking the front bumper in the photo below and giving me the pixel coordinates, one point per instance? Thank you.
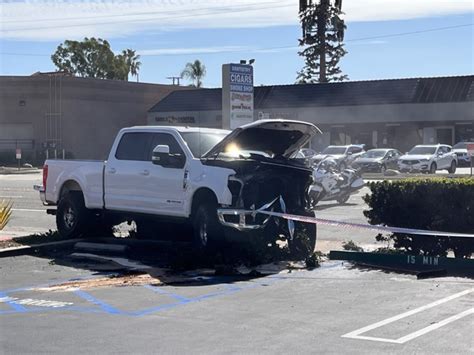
(464, 160)
(241, 219)
(247, 220)
(368, 168)
(412, 168)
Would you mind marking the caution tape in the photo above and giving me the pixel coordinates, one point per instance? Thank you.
(378, 228)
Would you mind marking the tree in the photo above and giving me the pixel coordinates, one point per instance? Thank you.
(132, 62)
(323, 33)
(93, 58)
(194, 71)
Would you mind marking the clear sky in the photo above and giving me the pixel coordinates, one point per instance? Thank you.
(430, 37)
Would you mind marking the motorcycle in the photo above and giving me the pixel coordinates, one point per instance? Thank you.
(331, 184)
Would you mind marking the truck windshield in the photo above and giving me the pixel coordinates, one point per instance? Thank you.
(374, 154)
(201, 142)
(334, 150)
(422, 151)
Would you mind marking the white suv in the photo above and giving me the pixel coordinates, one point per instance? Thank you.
(429, 158)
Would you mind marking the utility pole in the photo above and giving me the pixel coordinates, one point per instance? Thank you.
(175, 79)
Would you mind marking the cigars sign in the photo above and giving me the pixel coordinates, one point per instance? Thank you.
(237, 95)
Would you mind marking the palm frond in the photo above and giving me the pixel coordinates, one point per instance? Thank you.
(5, 212)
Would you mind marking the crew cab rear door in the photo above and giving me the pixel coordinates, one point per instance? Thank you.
(134, 184)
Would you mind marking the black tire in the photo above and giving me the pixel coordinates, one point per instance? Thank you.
(206, 227)
(452, 168)
(303, 243)
(72, 216)
(433, 168)
(343, 199)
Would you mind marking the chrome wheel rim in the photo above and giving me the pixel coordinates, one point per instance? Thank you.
(69, 218)
(203, 233)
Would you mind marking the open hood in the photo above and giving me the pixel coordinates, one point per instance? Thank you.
(277, 138)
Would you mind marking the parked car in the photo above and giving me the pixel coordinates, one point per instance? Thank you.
(461, 151)
(202, 177)
(377, 160)
(343, 155)
(428, 158)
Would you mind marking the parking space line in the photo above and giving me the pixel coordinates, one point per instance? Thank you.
(162, 291)
(435, 326)
(27, 210)
(356, 334)
(16, 307)
(105, 306)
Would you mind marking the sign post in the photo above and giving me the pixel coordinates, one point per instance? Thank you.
(237, 95)
(18, 157)
(470, 152)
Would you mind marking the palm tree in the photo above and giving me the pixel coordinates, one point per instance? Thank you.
(195, 72)
(132, 61)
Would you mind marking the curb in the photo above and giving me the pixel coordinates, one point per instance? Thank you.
(34, 248)
(411, 176)
(405, 262)
(19, 172)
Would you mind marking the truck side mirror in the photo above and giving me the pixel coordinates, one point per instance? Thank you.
(161, 155)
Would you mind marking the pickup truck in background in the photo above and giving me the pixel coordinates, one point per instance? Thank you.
(157, 174)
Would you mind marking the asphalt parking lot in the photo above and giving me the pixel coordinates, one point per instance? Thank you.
(333, 309)
(56, 304)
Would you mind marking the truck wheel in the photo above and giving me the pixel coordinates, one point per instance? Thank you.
(72, 215)
(343, 199)
(304, 241)
(206, 227)
(452, 168)
(433, 168)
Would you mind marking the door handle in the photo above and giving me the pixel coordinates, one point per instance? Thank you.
(145, 172)
(112, 171)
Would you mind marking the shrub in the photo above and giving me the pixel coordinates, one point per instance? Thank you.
(441, 204)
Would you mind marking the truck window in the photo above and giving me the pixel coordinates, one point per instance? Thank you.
(133, 146)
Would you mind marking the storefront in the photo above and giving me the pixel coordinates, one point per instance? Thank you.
(396, 113)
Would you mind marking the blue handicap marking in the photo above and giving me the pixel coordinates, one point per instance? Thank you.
(18, 303)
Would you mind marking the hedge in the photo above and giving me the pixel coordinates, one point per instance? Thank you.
(442, 204)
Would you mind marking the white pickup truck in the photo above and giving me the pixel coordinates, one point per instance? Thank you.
(158, 174)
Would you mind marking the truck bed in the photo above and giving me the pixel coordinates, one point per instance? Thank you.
(87, 173)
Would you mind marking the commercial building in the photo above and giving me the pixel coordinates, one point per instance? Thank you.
(381, 113)
(45, 114)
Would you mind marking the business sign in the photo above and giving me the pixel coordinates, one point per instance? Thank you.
(237, 95)
(175, 119)
(470, 149)
(18, 153)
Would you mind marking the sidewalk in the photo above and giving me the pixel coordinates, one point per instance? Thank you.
(9, 171)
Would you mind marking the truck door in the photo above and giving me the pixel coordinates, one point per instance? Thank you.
(125, 171)
(165, 186)
(133, 183)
